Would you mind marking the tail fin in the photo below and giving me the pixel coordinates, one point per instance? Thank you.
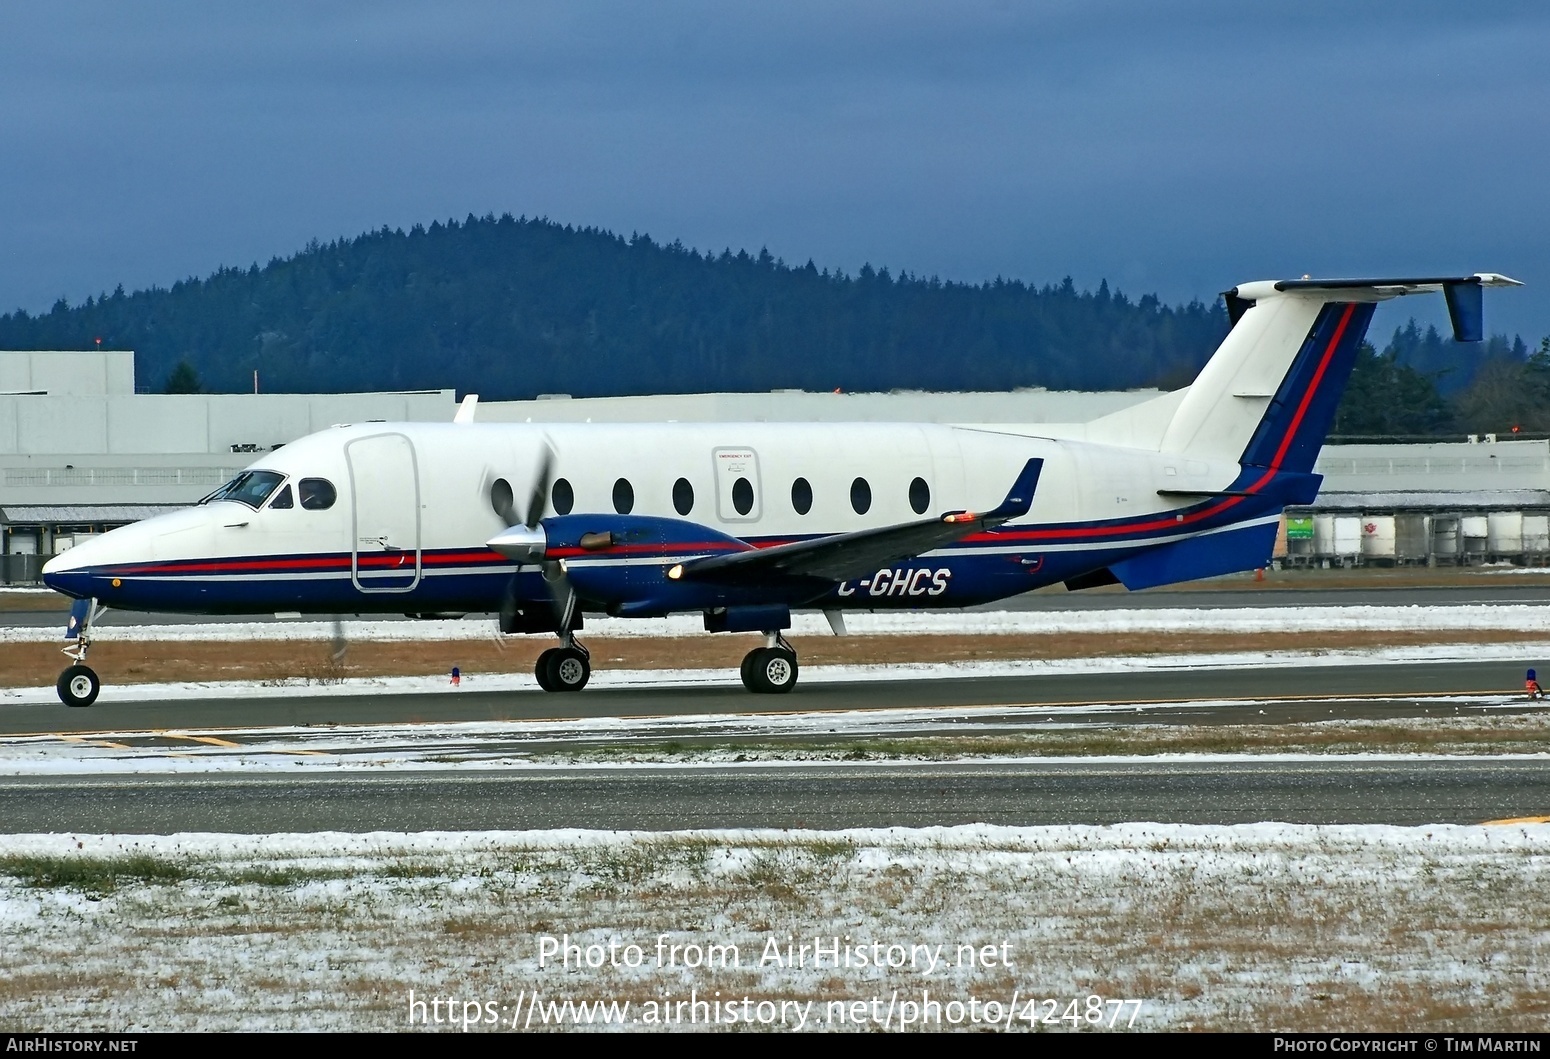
(1268, 395)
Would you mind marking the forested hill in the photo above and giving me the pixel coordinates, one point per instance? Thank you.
(512, 308)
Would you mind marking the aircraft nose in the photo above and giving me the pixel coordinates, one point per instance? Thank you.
(82, 571)
(67, 572)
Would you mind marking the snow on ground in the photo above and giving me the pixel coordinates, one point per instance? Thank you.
(751, 741)
(1250, 927)
(1519, 618)
(602, 677)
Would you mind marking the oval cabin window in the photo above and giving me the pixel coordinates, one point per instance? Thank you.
(860, 496)
(624, 496)
(683, 496)
(742, 496)
(562, 497)
(502, 500)
(801, 496)
(920, 496)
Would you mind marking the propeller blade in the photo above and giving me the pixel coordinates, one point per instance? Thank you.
(504, 503)
(538, 501)
(561, 596)
(338, 646)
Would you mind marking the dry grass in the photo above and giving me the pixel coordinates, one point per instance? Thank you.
(1329, 929)
(1514, 734)
(31, 665)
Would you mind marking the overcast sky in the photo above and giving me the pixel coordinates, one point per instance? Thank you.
(1174, 148)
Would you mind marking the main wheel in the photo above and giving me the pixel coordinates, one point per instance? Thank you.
(770, 670)
(569, 670)
(78, 686)
(541, 669)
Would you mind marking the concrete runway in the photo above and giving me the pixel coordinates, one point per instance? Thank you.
(1380, 690)
(1327, 790)
(820, 796)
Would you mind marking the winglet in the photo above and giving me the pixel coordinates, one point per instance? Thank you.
(465, 411)
(1020, 498)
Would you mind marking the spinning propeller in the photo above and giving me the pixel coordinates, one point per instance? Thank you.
(527, 545)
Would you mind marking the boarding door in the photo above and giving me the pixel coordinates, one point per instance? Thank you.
(739, 497)
(385, 485)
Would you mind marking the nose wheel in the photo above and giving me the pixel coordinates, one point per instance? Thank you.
(79, 685)
(772, 669)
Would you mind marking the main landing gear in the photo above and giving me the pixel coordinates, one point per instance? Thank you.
(78, 684)
(767, 670)
(771, 669)
(564, 668)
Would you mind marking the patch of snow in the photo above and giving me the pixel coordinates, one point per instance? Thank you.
(603, 678)
(1252, 926)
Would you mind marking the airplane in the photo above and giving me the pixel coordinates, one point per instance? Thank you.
(742, 522)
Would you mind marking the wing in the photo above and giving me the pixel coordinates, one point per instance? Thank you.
(842, 556)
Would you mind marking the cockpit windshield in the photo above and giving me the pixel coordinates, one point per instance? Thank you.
(250, 487)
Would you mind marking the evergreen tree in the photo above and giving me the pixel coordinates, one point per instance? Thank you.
(183, 379)
(513, 307)
(1387, 399)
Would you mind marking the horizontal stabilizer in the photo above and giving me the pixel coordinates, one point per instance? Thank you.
(1462, 293)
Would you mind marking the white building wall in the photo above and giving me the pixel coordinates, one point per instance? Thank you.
(195, 423)
(83, 374)
(1436, 467)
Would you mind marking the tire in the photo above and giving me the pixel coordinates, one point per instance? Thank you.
(769, 671)
(78, 686)
(749, 670)
(569, 670)
(541, 669)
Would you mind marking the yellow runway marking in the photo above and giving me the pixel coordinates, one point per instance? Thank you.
(210, 739)
(105, 743)
(1519, 820)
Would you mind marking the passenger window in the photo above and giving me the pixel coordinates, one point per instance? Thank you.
(683, 496)
(503, 501)
(801, 496)
(860, 496)
(624, 496)
(742, 496)
(317, 494)
(920, 496)
(282, 499)
(562, 497)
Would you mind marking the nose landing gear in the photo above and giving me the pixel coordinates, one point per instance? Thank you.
(78, 684)
(771, 669)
